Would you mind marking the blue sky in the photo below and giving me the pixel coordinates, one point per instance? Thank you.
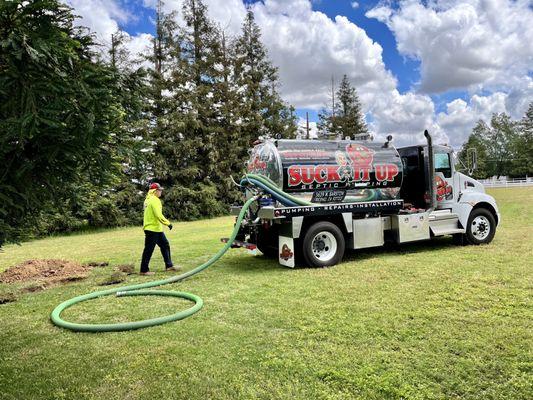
(405, 69)
(439, 65)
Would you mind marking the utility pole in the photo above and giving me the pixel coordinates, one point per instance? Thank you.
(307, 124)
(158, 39)
(332, 96)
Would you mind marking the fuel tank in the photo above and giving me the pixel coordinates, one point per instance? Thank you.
(327, 171)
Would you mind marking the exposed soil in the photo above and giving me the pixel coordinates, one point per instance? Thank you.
(45, 272)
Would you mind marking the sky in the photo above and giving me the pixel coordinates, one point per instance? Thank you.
(439, 65)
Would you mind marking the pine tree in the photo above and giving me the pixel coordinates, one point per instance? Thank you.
(346, 117)
(264, 112)
(184, 157)
(119, 56)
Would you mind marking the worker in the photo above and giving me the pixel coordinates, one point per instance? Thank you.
(153, 230)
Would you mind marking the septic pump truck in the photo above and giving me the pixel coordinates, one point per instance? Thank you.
(317, 198)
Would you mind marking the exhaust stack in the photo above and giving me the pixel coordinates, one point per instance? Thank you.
(431, 167)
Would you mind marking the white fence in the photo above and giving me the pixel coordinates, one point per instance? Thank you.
(506, 182)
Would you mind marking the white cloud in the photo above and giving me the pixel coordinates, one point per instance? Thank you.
(479, 46)
(302, 129)
(463, 44)
(354, 4)
(229, 14)
(100, 16)
(461, 116)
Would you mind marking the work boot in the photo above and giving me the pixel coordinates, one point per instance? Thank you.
(173, 268)
(148, 273)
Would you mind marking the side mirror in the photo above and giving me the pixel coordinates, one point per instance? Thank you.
(472, 159)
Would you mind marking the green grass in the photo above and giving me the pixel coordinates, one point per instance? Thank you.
(422, 321)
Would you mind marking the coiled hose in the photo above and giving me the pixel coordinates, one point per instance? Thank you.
(138, 290)
(259, 181)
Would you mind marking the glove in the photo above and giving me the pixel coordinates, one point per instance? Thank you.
(170, 226)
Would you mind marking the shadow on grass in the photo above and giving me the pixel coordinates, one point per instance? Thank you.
(399, 249)
(246, 264)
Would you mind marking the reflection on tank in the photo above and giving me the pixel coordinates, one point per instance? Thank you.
(364, 171)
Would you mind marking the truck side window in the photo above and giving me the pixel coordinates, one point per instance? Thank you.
(442, 164)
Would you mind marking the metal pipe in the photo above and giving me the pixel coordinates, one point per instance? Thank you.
(431, 172)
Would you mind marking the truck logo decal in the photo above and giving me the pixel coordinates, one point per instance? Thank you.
(444, 191)
(256, 164)
(353, 165)
(286, 253)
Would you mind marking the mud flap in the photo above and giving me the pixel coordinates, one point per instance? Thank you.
(286, 251)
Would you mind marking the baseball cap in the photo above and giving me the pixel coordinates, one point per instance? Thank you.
(156, 186)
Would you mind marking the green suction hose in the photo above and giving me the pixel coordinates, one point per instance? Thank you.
(137, 290)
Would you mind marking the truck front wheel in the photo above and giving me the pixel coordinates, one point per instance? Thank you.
(323, 245)
(481, 227)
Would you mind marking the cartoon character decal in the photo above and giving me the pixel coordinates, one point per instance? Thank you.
(256, 164)
(345, 170)
(361, 158)
(286, 253)
(444, 191)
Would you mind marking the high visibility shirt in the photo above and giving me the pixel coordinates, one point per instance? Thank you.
(153, 213)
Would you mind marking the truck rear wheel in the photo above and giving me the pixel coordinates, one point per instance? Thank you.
(481, 227)
(323, 245)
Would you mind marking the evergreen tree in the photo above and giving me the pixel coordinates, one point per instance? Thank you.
(59, 115)
(346, 117)
(118, 54)
(499, 137)
(522, 146)
(186, 125)
(264, 113)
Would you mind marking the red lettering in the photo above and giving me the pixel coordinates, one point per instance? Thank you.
(366, 174)
(307, 175)
(362, 174)
(321, 174)
(386, 172)
(295, 177)
(333, 173)
(392, 171)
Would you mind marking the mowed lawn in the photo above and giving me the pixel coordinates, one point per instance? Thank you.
(420, 321)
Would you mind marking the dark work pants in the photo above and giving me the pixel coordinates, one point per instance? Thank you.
(150, 240)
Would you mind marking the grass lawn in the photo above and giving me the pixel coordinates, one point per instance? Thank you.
(422, 321)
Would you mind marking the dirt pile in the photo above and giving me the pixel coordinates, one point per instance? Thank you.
(46, 271)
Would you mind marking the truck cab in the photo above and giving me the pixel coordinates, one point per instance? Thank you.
(456, 194)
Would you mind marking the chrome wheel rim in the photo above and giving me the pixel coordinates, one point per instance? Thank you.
(324, 246)
(480, 227)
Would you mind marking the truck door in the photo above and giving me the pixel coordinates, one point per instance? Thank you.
(444, 177)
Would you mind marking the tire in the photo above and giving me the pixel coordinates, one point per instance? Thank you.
(481, 227)
(267, 243)
(323, 245)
